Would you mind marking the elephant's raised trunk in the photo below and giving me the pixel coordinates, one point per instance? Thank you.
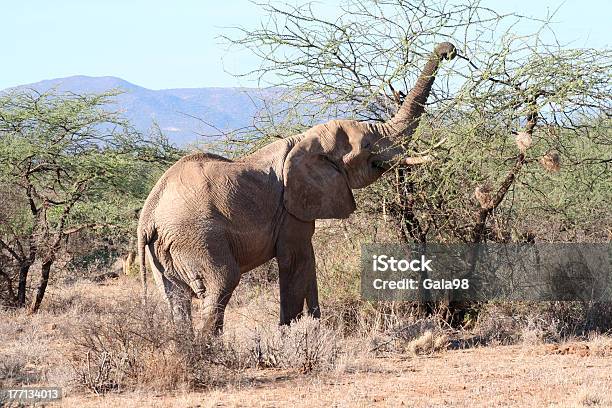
(407, 117)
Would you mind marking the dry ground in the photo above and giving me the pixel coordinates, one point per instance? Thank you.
(484, 377)
(35, 350)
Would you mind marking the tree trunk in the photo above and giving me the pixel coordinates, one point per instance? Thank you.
(412, 231)
(12, 299)
(42, 286)
(24, 269)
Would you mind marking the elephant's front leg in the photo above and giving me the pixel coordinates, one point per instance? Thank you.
(312, 298)
(297, 272)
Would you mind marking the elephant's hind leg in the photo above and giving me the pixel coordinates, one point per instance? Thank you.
(212, 275)
(178, 297)
(215, 302)
(179, 301)
(224, 277)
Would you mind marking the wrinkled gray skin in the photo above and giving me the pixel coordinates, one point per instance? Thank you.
(208, 219)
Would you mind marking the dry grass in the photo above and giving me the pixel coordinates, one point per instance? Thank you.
(429, 343)
(98, 342)
(306, 345)
(498, 376)
(125, 346)
(600, 346)
(103, 340)
(594, 393)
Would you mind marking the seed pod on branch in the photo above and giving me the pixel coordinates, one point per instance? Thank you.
(551, 161)
(523, 141)
(483, 195)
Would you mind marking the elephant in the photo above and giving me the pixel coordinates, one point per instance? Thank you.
(208, 220)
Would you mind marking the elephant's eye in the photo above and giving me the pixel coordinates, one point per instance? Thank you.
(366, 145)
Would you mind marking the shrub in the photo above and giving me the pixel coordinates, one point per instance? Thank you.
(306, 345)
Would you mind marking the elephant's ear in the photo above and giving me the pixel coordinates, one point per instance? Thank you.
(315, 186)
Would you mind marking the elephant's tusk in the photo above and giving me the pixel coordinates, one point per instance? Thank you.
(411, 161)
(434, 147)
(424, 156)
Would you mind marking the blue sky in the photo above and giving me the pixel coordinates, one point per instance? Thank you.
(163, 44)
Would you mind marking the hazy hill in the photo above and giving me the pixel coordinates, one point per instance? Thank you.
(176, 111)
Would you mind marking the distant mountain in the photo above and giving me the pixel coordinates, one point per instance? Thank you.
(182, 114)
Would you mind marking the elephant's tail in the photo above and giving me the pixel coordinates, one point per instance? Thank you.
(142, 260)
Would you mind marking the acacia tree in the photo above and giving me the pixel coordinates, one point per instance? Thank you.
(502, 116)
(519, 122)
(68, 164)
